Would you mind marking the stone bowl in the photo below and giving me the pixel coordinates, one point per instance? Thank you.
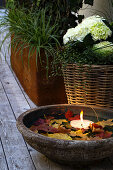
(66, 151)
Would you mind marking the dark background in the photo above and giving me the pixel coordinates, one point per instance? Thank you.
(2, 3)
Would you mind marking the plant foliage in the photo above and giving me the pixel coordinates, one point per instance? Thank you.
(84, 53)
(59, 10)
(88, 43)
(39, 24)
(31, 28)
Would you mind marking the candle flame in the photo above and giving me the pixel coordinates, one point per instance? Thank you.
(81, 115)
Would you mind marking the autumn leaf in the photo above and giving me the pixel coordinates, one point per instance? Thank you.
(56, 125)
(39, 122)
(34, 129)
(95, 125)
(105, 134)
(45, 127)
(58, 121)
(108, 128)
(64, 130)
(53, 126)
(68, 114)
(79, 133)
(60, 136)
(105, 123)
(95, 138)
(67, 125)
(53, 130)
(77, 117)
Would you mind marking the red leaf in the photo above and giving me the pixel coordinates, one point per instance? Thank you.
(49, 117)
(47, 128)
(33, 128)
(43, 127)
(105, 134)
(77, 117)
(68, 114)
(83, 130)
(53, 130)
(97, 126)
(47, 121)
(39, 122)
(64, 130)
(101, 135)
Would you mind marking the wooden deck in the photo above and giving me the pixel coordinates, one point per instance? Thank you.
(15, 154)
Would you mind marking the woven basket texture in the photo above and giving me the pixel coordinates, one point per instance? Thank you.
(89, 85)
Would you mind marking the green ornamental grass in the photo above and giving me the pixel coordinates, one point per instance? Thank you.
(30, 28)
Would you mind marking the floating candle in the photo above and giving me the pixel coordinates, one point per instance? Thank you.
(81, 123)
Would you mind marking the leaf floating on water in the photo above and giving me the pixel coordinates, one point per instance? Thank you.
(59, 127)
(55, 125)
(59, 121)
(108, 128)
(46, 128)
(80, 134)
(67, 125)
(63, 130)
(39, 122)
(34, 129)
(68, 114)
(95, 138)
(105, 123)
(105, 134)
(60, 136)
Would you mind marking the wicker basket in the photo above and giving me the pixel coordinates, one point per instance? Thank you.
(89, 85)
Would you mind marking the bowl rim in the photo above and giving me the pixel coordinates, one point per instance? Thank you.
(23, 129)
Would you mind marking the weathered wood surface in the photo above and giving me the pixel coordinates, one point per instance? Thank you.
(15, 154)
(3, 163)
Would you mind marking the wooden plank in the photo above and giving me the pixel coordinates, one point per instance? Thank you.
(5, 108)
(14, 146)
(44, 163)
(8, 80)
(31, 104)
(3, 163)
(14, 93)
(7, 52)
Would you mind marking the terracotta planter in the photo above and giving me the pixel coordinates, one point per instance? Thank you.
(34, 80)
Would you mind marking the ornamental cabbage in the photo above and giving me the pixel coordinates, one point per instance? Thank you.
(93, 25)
(104, 48)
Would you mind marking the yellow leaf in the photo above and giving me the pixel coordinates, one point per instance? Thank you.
(105, 123)
(60, 136)
(59, 121)
(79, 133)
(55, 125)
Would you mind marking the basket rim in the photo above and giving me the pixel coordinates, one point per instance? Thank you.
(88, 65)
